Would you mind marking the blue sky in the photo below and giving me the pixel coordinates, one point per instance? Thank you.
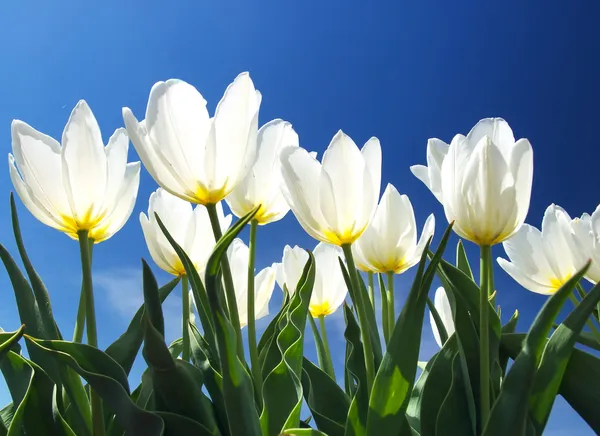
(401, 71)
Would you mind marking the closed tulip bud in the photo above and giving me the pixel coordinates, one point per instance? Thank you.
(483, 180)
(262, 184)
(587, 233)
(329, 291)
(264, 282)
(542, 261)
(442, 306)
(333, 201)
(189, 227)
(390, 242)
(191, 155)
(79, 186)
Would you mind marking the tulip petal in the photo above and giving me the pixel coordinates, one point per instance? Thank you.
(558, 242)
(442, 306)
(116, 161)
(521, 167)
(524, 280)
(525, 249)
(163, 260)
(496, 129)
(264, 283)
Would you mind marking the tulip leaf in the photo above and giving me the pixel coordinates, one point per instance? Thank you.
(177, 425)
(356, 423)
(453, 418)
(303, 432)
(510, 411)
(441, 328)
(269, 355)
(39, 289)
(556, 357)
(282, 387)
(8, 340)
(462, 261)
(413, 410)
(125, 349)
(589, 340)
(509, 327)
(326, 400)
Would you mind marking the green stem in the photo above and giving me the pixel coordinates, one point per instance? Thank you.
(256, 372)
(384, 310)
(80, 320)
(362, 317)
(390, 298)
(90, 315)
(590, 324)
(318, 343)
(185, 312)
(227, 278)
(330, 369)
(371, 289)
(486, 283)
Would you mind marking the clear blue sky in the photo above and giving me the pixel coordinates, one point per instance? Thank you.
(402, 71)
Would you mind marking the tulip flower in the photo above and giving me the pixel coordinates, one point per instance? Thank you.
(79, 186)
(289, 271)
(262, 184)
(542, 261)
(189, 227)
(333, 201)
(442, 306)
(587, 233)
(264, 282)
(390, 242)
(195, 157)
(483, 180)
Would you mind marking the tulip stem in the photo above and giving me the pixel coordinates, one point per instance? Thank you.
(318, 344)
(486, 286)
(185, 312)
(256, 372)
(371, 289)
(390, 297)
(227, 278)
(329, 369)
(384, 310)
(589, 322)
(360, 304)
(90, 317)
(80, 320)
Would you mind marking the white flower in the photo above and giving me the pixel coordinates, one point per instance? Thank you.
(333, 201)
(329, 291)
(262, 184)
(79, 186)
(390, 242)
(483, 180)
(587, 232)
(264, 282)
(195, 157)
(442, 305)
(190, 227)
(543, 261)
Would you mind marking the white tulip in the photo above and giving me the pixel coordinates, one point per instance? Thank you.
(189, 227)
(483, 181)
(329, 291)
(333, 201)
(442, 305)
(195, 157)
(80, 185)
(390, 242)
(262, 184)
(587, 233)
(264, 282)
(543, 261)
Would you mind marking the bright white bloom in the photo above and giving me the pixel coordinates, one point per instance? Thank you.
(543, 261)
(262, 184)
(330, 288)
(390, 242)
(190, 227)
(80, 185)
(587, 232)
(442, 305)
(483, 180)
(195, 157)
(264, 282)
(333, 201)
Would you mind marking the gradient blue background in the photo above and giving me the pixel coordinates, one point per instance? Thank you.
(402, 71)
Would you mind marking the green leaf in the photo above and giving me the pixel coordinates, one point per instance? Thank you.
(106, 378)
(395, 378)
(178, 425)
(462, 261)
(509, 327)
(282, 388)
(125, 349)
(269, 356)
(413, 410)
(326, 400)
(356, 423)
(438, 321)
(177, 384)
(8, 340)
(39, 289)
(303, 432)
(453, 418)
(589, 340)
(510, 411)
(556, 357)
(238, 388)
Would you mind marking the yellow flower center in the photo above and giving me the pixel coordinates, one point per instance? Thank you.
(89, 222)
(205, 196)
(322, 309)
